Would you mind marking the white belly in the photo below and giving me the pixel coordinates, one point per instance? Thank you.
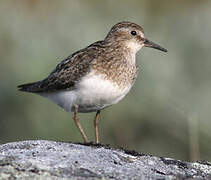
(91, 94)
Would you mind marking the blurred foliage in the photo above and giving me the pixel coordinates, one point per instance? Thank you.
(167, 113)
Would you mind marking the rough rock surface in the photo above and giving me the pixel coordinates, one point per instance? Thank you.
(58, 160)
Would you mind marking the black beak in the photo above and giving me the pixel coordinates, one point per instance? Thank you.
(150, 44)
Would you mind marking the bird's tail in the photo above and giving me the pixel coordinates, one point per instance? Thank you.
(29, 87)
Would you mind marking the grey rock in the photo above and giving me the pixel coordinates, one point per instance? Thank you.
(58, 160)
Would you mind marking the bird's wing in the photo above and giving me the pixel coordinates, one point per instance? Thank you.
(67, 73)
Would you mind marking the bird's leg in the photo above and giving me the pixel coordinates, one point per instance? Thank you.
(96, 127)
(77, 123)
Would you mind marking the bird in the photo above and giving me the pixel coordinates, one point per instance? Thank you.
(97, 76)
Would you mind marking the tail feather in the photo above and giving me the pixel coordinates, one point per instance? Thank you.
(29, 87)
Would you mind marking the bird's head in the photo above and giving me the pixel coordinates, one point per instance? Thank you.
(132, 36)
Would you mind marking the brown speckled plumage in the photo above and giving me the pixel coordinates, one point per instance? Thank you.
(116, 67)
(97, 76)
(109, 57)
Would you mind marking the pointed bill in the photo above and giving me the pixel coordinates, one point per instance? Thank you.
(151, 44)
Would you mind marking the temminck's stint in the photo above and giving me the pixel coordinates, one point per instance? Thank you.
(97, 76)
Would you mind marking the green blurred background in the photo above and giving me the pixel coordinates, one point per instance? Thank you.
(167, 113)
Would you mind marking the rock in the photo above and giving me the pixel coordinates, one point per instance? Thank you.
(58, 160)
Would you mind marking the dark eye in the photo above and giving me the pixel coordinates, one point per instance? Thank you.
(133, 33)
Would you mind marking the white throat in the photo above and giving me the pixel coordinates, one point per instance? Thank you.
(134, 48)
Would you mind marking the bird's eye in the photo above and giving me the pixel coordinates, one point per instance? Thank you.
(133, 33)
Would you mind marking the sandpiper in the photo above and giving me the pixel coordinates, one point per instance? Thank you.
(97, 76)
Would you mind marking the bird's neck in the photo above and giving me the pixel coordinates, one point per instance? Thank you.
(123, 52)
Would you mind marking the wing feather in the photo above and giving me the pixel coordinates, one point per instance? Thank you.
(67, 73)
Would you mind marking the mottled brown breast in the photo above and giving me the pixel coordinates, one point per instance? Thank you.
(117, 66)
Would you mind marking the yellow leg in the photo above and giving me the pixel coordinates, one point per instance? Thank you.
(77, 123)
(96, 127)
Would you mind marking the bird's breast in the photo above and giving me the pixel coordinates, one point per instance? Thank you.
(95, 92)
